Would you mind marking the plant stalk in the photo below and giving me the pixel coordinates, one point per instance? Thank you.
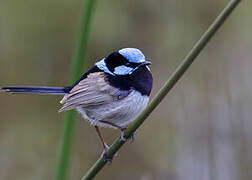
(76, 68)
(181, 69)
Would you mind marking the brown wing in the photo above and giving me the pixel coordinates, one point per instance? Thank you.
(91, 91)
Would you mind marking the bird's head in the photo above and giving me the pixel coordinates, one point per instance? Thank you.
(123, 62)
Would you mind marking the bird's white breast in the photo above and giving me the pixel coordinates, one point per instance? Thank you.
(119, 112)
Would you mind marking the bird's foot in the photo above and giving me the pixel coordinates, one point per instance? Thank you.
(131, 138)
(104, 155)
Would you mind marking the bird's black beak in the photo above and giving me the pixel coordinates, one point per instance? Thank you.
(145, 63)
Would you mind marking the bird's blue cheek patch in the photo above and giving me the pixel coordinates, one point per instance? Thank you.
(123, 70)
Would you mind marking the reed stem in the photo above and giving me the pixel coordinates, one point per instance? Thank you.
(77, 65)
(181, 69)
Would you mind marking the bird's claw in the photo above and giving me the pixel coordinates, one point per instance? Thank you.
(125, 139)
(104, 157)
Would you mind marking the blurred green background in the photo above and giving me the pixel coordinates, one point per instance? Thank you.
(201, 131)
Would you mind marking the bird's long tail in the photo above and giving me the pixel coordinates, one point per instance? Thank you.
(34, 90)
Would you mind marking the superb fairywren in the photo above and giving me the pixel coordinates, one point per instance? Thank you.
(111, 94)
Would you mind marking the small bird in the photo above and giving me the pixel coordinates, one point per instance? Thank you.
(110, 94)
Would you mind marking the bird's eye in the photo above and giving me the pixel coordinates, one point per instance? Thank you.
(131, 64)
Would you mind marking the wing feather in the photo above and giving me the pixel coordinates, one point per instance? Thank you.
(91, 91)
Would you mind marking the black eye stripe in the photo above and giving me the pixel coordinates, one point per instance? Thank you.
(115, 59)
(133, 65)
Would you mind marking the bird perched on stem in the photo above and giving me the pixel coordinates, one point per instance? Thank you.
(111, 94)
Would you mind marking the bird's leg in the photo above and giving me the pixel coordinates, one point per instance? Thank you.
(105, 146)
(122, 128)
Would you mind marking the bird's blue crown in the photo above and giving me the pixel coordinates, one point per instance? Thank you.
(122, 62)
(132, 55)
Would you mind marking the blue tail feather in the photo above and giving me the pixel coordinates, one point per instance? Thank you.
(34, 90)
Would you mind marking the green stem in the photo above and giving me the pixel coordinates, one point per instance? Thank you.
(76, 68)
(191, 56)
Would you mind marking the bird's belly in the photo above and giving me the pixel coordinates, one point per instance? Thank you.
(120, 112)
